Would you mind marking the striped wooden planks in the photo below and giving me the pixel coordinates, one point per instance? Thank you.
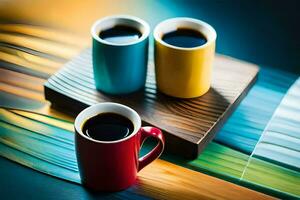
(240, 168)
(188, 124)
(247, 123)
(280, 142)
(46, 33)
(47, 144)
(217, 160)
(278, 181)
(39, 44)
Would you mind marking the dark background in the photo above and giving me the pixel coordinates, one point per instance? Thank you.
(264, 32)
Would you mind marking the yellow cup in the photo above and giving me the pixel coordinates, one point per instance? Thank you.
(184, 72)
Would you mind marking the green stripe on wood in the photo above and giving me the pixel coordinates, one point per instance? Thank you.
(221, 160)
(269, 175)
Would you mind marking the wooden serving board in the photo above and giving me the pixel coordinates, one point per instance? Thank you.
(188, 124)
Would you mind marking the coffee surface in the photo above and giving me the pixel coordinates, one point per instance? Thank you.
(120, 34)
(184, 37)
(108, 127)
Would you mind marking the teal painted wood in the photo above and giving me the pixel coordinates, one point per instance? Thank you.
(50, 144)
(280, 141)
(244, 128)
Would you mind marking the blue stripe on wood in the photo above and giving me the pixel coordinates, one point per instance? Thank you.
(14, 101)
(244, 128)
(280, 142)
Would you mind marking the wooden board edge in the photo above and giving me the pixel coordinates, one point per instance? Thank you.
(219, 124)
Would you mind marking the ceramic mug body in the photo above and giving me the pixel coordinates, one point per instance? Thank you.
(184, 72)
(120, 68)
(113, 165)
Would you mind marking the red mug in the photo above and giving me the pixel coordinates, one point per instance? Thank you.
(113, 165)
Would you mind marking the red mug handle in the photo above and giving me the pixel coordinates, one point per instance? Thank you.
(156, 151)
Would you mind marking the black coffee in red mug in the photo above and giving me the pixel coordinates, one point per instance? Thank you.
(108, 137)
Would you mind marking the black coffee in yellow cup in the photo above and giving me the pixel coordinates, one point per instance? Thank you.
(184, 53)
(185, 37)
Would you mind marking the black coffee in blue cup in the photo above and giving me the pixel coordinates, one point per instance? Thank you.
(120, 54)
(120, 34)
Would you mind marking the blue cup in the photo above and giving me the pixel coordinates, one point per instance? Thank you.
(120, 68)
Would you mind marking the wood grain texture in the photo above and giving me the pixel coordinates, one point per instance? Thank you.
(179, 185)
(19, 98)
(189, 124)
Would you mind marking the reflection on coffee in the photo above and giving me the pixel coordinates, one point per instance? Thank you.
(120, 34)
(184, 37)
(108, 127)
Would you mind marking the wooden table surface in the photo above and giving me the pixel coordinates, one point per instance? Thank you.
(161, 179)
(43, 51)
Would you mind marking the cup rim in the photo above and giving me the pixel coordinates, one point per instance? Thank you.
(86, 114)
(158, 27)
(98, 23)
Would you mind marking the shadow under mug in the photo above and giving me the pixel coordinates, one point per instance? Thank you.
(182, 71)
(113, 165)
(120, 68)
